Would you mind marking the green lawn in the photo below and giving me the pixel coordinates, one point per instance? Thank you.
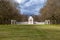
(29, 32)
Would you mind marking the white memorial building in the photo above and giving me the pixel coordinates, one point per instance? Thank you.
(30, 20)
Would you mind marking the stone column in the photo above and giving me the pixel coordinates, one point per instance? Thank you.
(13, 21)
(47, 21)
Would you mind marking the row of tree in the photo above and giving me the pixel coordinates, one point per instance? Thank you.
(8, 12)
(51, 11)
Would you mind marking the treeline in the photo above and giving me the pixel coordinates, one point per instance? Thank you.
(51, 11)
(9, 12)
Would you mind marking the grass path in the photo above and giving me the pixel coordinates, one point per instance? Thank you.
(52, 31)
(29, 32)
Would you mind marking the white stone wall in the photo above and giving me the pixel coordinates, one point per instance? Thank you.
(21, 22)
(14, 22)
(28, 23)
(39, 23)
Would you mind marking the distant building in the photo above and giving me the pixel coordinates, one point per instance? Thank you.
(13, 21)
(30, 20)
(47, 21)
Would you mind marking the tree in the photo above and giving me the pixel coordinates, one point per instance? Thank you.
(8, 12)
(51, 11)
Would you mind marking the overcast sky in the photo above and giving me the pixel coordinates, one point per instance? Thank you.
(30, 7)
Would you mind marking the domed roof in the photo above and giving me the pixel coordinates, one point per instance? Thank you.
(30, 17)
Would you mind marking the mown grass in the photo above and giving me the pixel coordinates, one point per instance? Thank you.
(29, 32)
